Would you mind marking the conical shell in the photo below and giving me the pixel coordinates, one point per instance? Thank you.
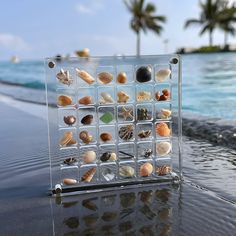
(64, 100)
(85, 76)
(87, 177)
(67, 137)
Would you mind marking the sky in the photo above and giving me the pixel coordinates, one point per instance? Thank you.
(39, 29)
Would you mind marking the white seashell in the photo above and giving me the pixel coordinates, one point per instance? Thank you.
(165, 113)
(106, 98)
(64, 77)
(163, 74)
(163, 148)
(85, 76)
(113, 157)
(126, 171)
(89, 157)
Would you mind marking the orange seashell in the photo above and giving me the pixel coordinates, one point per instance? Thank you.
(68, 181)
(85, 100)
(66, 139)
(64, 100)
(163, 129)
(87, 177)
(146, 169)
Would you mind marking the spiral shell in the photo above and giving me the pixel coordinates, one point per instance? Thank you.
(163, 170)
(85, 137)
(88, 176)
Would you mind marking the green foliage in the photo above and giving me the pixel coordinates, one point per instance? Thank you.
(207, 49)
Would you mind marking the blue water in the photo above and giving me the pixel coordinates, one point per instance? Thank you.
(209, 82)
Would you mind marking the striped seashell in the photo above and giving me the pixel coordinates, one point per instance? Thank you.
(163, 170)
(87, 177)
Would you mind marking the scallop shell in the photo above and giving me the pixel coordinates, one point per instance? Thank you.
(126, 132)
(163, 170)
(163, 148)
(163, 130)
(126, 171)
(64, 77)
(106, 98)
(87, 177)
(64, 100)
(85, 76)
(89, 157)
(121, 78)
(66, 138)
(146, 169)
(122, 97)
(68, 181)
(105, 77)
(163, 74)
(85, 100)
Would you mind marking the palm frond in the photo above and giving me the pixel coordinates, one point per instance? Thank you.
(150, 8)
(192, 22)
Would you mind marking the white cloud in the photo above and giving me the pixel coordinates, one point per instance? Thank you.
(14, 42)
(91, 7)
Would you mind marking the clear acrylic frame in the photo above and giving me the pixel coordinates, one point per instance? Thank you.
(146, 104)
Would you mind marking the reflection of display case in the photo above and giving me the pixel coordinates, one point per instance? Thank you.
(117, 121)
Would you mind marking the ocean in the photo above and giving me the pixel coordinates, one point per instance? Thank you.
(209, 83)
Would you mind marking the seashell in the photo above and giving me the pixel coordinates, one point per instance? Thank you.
(71, 142)
(163, 170)
(164, 96)
(108, 156)
(85, 137)
(105, 137)
(72, 222)
(164, 114)
(163, 148)
(121, 78)
(163, 74)
(85, 76)
(163, 130)
(108, 174)
(144, 74)
(144, 133)
(146, 196)
(70, 161)
(147, 152)
(105, 77)
(90, 221)
(64, 100)
(69, 120)
(66, 138)
(126, 171)
(89, 157)
(126, 132)
(144, 96)
(68, 181)
(85, 100)
(107, 117)
(122, 97)
(87, 177)
(143, 114)
(87, 120)
(106, 98)
(146, 169)
(64, 77)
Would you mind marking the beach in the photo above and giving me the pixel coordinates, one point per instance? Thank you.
(204, 204)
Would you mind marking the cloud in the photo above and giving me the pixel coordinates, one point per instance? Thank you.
(14, 42)
(90, 8)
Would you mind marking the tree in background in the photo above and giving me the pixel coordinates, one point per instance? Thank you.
(227, 18)
(144, 18)
(209, 17)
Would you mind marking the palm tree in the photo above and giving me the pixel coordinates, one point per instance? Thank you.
(227, 17)
(209, 17)
(143, 18)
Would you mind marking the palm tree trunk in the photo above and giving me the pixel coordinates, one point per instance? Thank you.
(225, 39)
(210, 38)
(138, 43)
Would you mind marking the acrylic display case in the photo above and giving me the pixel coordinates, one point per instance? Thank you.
(113, 121)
